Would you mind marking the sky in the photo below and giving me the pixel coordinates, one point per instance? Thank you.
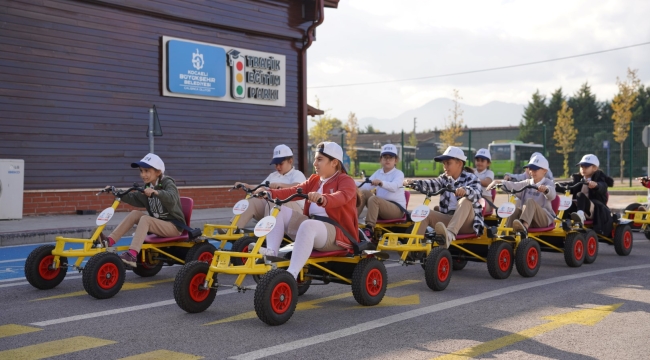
(379, 40)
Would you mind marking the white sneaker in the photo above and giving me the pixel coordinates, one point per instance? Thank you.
(441, 230)
(578, 217)
(266, 252)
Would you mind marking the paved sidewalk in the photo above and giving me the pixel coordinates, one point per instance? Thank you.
(41, 229)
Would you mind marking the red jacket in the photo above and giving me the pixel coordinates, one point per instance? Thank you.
(341, 194)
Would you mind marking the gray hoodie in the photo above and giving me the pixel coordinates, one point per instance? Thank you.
(543, 200)
(165, 206)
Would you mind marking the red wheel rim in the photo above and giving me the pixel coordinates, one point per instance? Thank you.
(245, 250)
(196, 293)
(504, 260)
(578, 250)
(206, 257)
(627, 239)
(532, 258)
(281, 298)
(592, 245)
(443, 269)
(374, 282)
(107, 276)
(44, 268)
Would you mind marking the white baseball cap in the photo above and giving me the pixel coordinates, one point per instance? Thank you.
(150, 161)
(483, 153)
(451, 152)
(280, 153)
(589, 159)
(389, 149)
(333, 150)
(537, 162)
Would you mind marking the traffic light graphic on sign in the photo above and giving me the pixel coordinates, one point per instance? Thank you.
(237, 74)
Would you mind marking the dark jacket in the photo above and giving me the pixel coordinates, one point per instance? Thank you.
(165, 206)
(599, 193)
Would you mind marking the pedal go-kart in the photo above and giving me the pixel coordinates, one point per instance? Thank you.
(640, 218)
(241, 237)
(277, 292)
(104, 273)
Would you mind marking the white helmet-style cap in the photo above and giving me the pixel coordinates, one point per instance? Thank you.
(150, 161)
(483, 153)
(451, 152)
(389, 149)
(589, 159)
(280, 153)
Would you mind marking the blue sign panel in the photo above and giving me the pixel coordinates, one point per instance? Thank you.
(196, 69)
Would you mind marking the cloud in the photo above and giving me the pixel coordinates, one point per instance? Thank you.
(375, 40)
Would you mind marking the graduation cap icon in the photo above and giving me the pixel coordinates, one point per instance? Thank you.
(232, 55)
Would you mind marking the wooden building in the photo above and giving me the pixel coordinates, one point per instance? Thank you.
(77, 80)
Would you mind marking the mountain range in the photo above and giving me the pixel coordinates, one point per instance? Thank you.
(432, 116)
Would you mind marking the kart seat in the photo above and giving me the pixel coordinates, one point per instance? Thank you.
(404, 218)
(320, 254)
(465, 236)
(555, 204)
(544, 229)
(589, 222)
(187, 204)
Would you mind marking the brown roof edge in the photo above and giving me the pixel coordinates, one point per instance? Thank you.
(332, 4)
(312, 111)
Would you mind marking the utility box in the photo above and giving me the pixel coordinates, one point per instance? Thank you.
(12, 180)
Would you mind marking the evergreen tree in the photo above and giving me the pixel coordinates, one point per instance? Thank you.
(535, 116)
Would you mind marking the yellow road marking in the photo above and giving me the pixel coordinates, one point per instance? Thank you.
(163, 355)
(13, 329)
(55, 348)
(125, 287)
(307, 305)
(587, 317)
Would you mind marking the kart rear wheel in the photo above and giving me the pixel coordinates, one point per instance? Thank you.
(147, 268)
(499, 259)
(275, 297)
(646, 232)
(459, 262)
(37, 268)
(574, 249)
(241, 245)
(632, 207)
(527, 257)
(437, 269)
(591, 245)
(104, 275)
(303, 286)
(623, 240)
(369, 280)
(187, 287)
(203, 251)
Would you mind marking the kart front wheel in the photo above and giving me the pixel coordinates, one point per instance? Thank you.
(369, 280)
(188, 287)
(499, 259)
(459, 262)
(104, 275)
(203, 251)
(527, 257)
(241, 245)
(623, 240)
(38, 269)
(437, 268)
(591, 245)
(574, 249)
(276, 297)
(149, 267)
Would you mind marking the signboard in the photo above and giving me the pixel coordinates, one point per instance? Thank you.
(198, 70)
(645, 136)
(605, 144)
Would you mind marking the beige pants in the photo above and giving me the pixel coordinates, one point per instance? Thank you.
(146, 224)
(531, 213)
(460, 223)
(377, 208)
(259, 208)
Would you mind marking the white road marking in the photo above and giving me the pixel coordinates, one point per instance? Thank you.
(115, 311)
(25, 282)
(12, 260)
(370, 325)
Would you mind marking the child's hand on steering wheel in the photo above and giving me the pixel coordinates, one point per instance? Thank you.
(542, 189)
(149, 191)
(460, 192)
(317, 198)
(376, 182)
(492, 185)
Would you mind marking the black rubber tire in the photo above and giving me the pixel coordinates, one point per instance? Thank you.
(459, 262)
(147, 269)
(500, 260)
(302, 286)
(105, 265)
(528, 258)
(438, 268)
(241, 245)
(271, 303)
(591, 246)
(43, 254)
(574, 249)
(646, 232)
(187, 294)
(623, 240)
(203, 251)
(369, 272)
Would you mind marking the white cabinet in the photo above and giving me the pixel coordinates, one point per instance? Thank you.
(12, 179)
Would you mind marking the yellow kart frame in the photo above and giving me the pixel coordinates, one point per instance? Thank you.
(104, 273)
(276, 293)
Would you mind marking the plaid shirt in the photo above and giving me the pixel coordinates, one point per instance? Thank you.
(468, 181)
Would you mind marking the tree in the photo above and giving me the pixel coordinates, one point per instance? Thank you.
(565, 134)
(322, 126)
(622, 106)
(371, 130)
(454, 128)
(535, 116)
(351, 132)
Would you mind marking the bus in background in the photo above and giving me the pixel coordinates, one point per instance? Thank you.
(368, 160)
(510, 156)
